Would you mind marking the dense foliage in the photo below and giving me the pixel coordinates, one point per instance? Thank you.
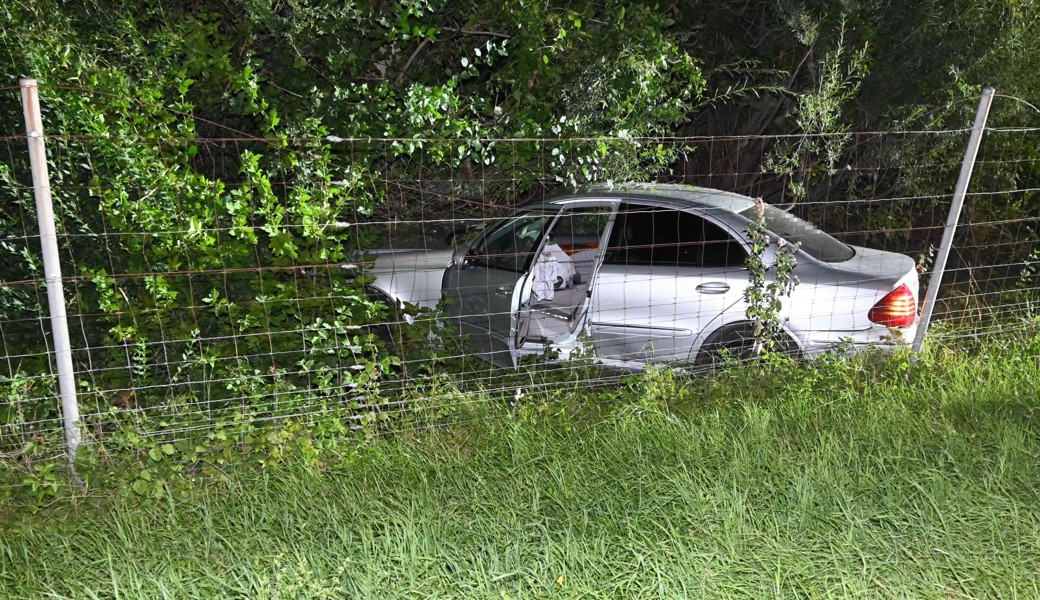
(212, 162)
(206, 269)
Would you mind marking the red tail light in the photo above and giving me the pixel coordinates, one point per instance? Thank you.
(897, 309)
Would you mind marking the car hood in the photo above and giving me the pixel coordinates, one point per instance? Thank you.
(402, 261)
(412, 276)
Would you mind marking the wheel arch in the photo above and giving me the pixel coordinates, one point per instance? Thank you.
(700, 354)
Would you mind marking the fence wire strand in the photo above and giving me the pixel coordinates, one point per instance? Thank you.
(270, 309)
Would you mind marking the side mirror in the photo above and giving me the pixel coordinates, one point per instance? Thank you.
(459, 256)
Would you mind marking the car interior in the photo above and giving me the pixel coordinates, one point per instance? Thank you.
(568, 259)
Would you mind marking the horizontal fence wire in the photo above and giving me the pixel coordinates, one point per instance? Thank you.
(259, 282)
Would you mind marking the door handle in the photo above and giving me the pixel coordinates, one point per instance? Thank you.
(713, 287)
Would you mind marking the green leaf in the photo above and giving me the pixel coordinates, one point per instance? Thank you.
(141, 487)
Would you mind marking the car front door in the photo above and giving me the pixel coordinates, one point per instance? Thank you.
(555, 297)
(482, 289)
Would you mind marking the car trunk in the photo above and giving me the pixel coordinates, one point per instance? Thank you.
(851, 287)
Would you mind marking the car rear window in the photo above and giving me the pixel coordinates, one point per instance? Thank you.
(814, 242)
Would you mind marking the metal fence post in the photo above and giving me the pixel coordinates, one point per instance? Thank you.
(952, 219)
(51, 267)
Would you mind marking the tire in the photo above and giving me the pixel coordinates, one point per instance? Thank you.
(737, 342)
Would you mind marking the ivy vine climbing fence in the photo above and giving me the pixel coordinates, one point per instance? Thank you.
(216, 285)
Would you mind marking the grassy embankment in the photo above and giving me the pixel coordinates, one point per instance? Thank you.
(845, 480)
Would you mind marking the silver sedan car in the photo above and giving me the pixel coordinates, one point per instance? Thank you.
(648, 273)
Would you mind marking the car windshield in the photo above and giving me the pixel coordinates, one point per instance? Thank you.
(814, 242)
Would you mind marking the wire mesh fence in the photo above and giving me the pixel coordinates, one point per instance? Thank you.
(228, 285)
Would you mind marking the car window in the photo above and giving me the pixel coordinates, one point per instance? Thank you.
(511, 245)
(814, 242)
(580, 229)
(668, 237)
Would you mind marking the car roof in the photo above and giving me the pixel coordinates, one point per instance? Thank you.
(666, 194)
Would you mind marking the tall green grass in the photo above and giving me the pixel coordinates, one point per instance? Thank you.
(869, 479)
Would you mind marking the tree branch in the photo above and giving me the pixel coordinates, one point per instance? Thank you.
(472, 32)
(411, 58)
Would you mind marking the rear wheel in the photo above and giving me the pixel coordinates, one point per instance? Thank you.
(737, 342)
